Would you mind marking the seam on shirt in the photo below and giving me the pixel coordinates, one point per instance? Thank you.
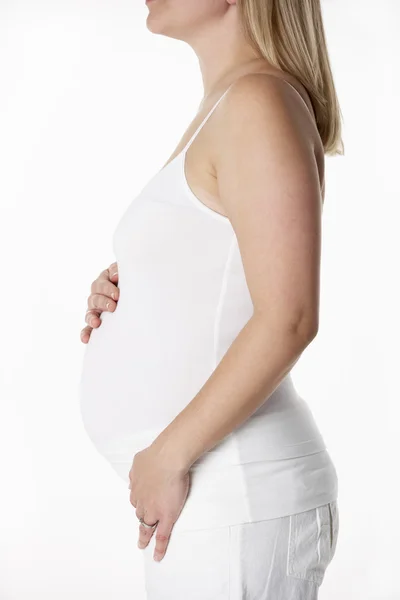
(221, 298)
(319, 533)
(232, 435)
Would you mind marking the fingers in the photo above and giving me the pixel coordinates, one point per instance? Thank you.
(145, 533)
(104, 296)
(113, 272)
(104, 287)
(85, 334)
(100, 302)
(92, 318)
(163, 534)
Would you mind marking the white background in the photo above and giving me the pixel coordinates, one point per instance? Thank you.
(92, 105)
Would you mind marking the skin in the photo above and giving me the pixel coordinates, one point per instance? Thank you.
(104, 295)
(260, 162)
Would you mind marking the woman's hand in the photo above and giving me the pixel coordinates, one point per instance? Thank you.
(158, 492)
(104, 296)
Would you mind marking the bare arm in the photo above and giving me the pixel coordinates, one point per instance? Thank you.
(269, 187)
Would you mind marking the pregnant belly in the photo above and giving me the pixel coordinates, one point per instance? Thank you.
(136, 376)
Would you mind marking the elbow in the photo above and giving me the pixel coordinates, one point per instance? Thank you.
(302, 326)
(305, 329)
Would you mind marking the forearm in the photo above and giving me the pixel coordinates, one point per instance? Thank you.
(251, 369)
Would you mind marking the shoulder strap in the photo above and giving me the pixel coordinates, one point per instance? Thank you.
(206, 119)
(223, 95)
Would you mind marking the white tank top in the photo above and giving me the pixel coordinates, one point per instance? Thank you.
(183, 300)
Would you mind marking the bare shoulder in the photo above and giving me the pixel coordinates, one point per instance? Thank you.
(274, 105)
(263, 95)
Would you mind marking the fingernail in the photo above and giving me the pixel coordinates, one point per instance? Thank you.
(157, 556)
(141, 545)
(113, 295)
(114, 274)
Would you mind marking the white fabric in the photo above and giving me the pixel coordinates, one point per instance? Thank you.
(183, 300)
(254, 491)
(276, 559)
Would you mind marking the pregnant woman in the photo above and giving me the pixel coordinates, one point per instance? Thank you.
(191, 335)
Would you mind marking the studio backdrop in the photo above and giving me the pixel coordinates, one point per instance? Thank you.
(92, 105)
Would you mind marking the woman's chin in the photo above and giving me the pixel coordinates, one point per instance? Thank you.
(154, 25)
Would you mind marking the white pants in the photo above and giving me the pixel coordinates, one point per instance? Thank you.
(276, 559)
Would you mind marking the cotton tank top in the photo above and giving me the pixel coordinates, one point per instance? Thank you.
(183, 300)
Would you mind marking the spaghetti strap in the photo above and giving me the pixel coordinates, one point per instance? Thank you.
(205, 119)
(219, 100)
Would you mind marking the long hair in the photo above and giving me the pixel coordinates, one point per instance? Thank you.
(290, 35)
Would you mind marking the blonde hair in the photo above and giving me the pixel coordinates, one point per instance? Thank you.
(290, 35)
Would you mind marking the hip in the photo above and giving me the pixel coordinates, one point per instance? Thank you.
(286, 557)
(251, 492)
